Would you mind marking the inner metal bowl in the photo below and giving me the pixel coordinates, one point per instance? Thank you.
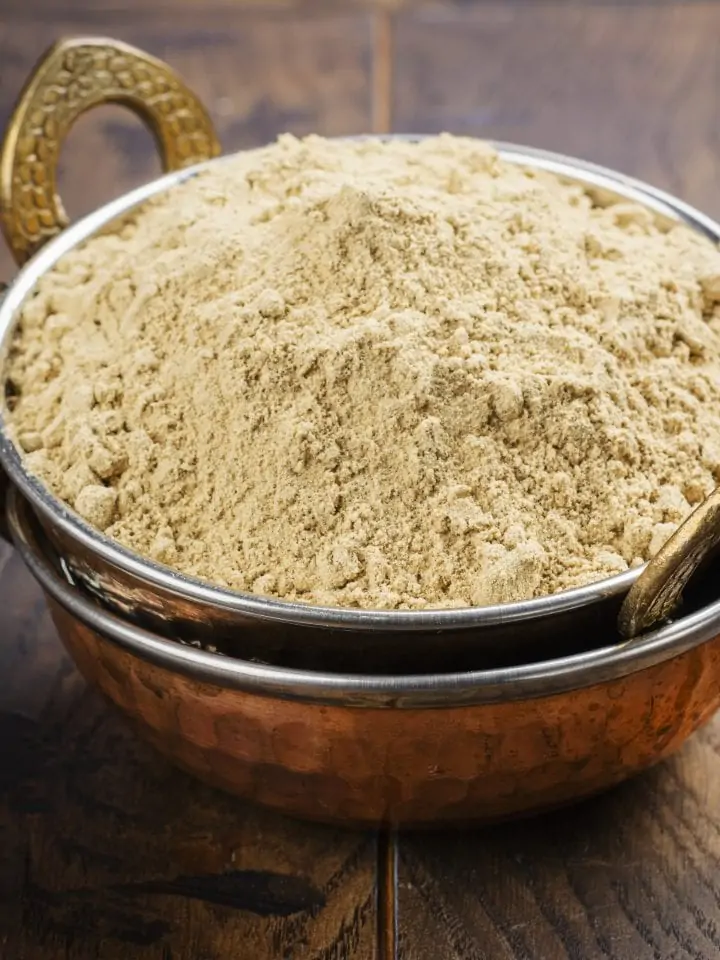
(299, 635)
(410, 749)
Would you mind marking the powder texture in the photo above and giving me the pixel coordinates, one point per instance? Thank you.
(380, 375)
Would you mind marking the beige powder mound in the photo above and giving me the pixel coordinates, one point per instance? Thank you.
(379, 375)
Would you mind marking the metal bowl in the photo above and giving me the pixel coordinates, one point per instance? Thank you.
(413, 750)
(157, 597)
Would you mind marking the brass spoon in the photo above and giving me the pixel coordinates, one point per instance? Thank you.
(658, 589)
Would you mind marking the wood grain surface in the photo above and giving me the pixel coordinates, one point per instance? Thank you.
(105, 852)
(630, 85)
(633, 874)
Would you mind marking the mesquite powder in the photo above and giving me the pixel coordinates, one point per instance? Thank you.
(378, 374)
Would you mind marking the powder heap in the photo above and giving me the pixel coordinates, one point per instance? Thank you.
(384, 375)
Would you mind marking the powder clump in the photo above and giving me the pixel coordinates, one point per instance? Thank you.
(380, 375)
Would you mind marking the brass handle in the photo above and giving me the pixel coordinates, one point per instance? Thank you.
(73, 76)
(658, 589)
(4, 481)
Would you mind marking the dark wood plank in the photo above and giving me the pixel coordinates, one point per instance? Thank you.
(91, 10)
(108, 852)
(629, 85)
(633, 875)
(259, 71)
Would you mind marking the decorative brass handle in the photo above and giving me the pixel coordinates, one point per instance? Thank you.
(73, 76)
(4, 481)
(658, 589)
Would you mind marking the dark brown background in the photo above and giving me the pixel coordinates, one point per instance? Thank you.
(105, 852)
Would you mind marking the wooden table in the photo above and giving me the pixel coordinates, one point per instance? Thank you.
(106, 852)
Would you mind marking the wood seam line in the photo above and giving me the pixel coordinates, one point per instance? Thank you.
(382, 71)
(387, 890)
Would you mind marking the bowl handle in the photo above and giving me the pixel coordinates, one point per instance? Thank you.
(73, 76)
(4, 479)
(658, 590)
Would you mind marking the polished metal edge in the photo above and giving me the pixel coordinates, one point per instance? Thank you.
(156, 575)
(427, 691)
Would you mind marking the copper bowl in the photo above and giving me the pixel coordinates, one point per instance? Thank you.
(413, 750)
(88, 72)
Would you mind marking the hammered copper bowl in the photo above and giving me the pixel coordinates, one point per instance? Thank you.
(74, 76)
(410, 750)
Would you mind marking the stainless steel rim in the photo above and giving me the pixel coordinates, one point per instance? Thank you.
(407, 691)
(155, 575)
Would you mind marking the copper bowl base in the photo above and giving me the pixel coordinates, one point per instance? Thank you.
(411, 751)
(483, 762)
